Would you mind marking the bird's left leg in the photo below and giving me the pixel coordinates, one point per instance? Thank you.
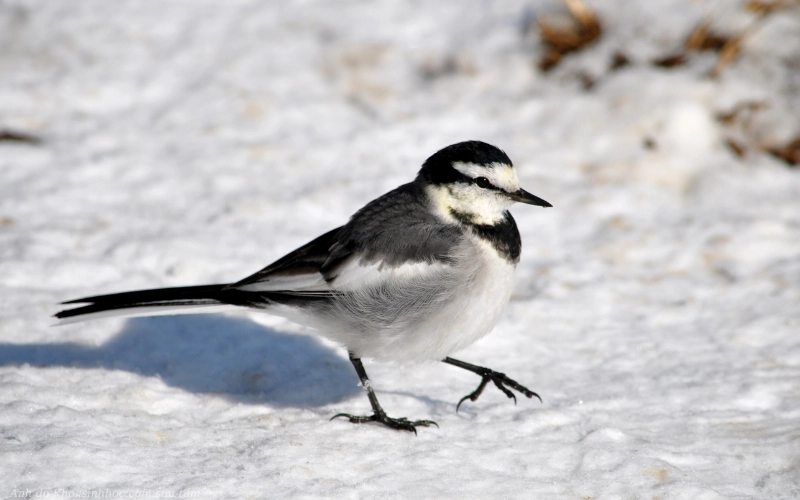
(401, 424)
(499, 379)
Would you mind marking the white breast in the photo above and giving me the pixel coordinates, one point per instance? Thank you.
(476, 309)
(460, 307)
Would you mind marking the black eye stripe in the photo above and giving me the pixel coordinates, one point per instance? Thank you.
(484, 183)
(463, 178)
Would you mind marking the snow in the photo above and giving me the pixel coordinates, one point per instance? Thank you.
(656, 307)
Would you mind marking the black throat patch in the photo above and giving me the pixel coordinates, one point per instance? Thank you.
(503, 235)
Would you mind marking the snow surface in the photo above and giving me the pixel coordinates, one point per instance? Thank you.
(657, 306)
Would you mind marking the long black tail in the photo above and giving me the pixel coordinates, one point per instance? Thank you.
(161, 301)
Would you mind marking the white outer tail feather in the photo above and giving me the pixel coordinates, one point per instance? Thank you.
(134, 312)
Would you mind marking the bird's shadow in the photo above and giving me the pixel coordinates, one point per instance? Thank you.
(231, 356)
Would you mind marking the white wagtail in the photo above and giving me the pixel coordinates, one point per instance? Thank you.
(417, 274)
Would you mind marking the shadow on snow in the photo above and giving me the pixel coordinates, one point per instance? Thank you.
(211, 354)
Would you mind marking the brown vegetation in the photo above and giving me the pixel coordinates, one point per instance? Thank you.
(583, 30)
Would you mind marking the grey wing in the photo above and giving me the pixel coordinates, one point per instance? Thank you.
(394, 235)
(396, 228)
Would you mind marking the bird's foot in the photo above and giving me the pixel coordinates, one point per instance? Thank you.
(400, 424)
(502, 382)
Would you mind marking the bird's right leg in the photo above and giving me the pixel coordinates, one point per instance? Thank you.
(500, 380)
(401, 424)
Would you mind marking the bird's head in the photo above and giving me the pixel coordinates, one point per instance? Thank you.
(473, 182)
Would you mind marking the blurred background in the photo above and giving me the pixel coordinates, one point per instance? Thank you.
(657, 306)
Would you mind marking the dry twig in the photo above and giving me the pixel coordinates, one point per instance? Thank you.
(789, 152)
(764, 8)
(704, 38)
(16, 136)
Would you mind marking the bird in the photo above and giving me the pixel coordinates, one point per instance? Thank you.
(417, 274)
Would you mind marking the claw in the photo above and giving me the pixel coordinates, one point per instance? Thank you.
(505, 390)
(473, 396)
(400, 424)
(500, 381)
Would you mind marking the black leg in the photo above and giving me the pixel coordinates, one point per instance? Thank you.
(499, 379)
(401, 424)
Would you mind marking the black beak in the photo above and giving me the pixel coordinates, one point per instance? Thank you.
(523, 196)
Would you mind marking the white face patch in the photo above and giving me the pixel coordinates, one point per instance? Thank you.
(499, 174)
(483, 206)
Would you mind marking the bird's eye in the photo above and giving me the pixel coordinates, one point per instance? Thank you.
(482, 182)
